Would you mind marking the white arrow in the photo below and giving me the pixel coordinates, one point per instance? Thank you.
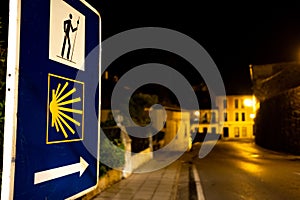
(51, 174)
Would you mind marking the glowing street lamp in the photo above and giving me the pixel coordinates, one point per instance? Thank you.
(197, 113)
(248, 102)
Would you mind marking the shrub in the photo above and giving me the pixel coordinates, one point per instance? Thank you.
(112, 150)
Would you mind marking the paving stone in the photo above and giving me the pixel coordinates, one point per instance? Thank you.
(156, 185)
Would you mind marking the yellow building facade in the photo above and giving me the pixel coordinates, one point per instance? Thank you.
(205, 121)
(236, 115)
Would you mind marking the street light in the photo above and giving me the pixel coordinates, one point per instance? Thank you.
(197, 113)
(248, 102)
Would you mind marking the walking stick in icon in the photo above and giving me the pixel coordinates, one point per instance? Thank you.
(75, 39)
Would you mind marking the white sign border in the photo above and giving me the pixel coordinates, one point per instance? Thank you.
(11, 102)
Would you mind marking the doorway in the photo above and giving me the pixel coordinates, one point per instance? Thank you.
(225, 131)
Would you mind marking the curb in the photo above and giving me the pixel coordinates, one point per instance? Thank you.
(175, 190)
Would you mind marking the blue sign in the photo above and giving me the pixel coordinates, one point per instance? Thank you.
(57, 120)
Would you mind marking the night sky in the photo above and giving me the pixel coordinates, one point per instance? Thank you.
(233, 35)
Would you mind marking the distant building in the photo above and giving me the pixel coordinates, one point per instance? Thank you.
(172, 123)
(177, 131)
(205, 121)
(236, 115)
(232, 117)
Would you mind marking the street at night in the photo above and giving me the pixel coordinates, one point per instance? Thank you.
(103, 100)
(242, 170)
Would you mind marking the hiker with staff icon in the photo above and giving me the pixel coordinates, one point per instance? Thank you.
(67, 28)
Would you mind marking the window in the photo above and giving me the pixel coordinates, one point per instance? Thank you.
(213, 117)
(224, 103)
(236, 103)
(242, 104)
(225, 117)
(236, 132)
(243, 117)
(236, 117)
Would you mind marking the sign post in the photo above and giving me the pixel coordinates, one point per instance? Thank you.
(51, 138)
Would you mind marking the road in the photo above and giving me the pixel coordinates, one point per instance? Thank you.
(243, 170)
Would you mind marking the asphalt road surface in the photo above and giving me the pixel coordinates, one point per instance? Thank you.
(243, 170)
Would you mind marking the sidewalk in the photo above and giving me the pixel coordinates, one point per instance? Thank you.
(156, 185)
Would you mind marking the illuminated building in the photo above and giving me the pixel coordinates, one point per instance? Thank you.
(236, 115)
(232, 117)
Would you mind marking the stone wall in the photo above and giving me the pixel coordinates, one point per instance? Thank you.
(277, 124)
(270, 80)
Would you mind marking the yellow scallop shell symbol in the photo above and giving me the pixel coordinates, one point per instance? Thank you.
(60, 119)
